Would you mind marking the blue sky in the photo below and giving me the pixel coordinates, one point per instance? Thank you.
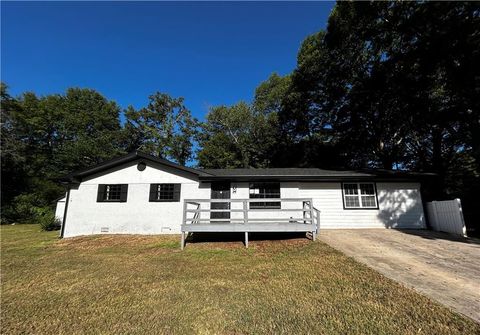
(210, 53)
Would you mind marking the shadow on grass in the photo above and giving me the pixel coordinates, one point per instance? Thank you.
(240, 237)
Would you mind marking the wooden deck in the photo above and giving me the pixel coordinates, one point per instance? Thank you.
(294, 215)
(257, 227)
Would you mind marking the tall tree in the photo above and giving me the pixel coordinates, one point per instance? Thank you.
(237, 136)
(398, 84)
(305, 115)
(380, 72)
(12, 149)
(88, 129)
(46, 137)
(269, 95)
(164, 128)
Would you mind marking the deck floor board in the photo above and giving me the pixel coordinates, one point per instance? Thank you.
(256, 227)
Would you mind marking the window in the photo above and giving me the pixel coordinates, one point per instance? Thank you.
(265, 191)
(164, 192)
(359, 195)
(112, 193)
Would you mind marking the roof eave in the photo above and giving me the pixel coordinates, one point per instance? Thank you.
(76, 177)
(309, 178)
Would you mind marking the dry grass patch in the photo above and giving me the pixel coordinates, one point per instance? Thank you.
(146, 285)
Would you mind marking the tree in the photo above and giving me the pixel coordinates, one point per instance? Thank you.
(164, 128)
(89, 130)
(236, 136)
(305, 115)
(44, 138)
(396, 83)
(244, 135)
(269, 95)
(12, 150)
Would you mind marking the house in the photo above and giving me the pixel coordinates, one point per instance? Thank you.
(143, 194)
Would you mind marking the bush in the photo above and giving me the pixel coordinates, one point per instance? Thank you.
(28, 208)
(23, 209)
(47, 220)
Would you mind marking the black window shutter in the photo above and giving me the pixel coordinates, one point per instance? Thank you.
(100, 192)
(176, 192)
(153, 192)
(123, 193)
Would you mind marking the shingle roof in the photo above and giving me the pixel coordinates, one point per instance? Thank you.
(290, 174)
(278, 172)
(309, 174)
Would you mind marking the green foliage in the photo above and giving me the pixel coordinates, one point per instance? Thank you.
(89, 128)
(393, 85)
(12, 149)
(244, 135)
(43, 138)
(47, 220)
(237, 136)
(270, 93)
(23, 209)
(30, 208)
(164, 128)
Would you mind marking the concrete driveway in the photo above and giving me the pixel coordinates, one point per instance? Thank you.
(442, 267)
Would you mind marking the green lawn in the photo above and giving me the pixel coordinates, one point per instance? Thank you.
(137, 285)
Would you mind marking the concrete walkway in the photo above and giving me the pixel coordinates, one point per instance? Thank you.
(442, 267)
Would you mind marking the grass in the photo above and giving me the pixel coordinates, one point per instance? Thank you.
(146, 285)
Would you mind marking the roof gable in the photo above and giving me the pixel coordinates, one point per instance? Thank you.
(76, 177)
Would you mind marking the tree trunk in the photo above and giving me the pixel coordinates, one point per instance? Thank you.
(437, 161)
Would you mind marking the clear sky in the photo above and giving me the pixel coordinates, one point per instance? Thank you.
(210, 53)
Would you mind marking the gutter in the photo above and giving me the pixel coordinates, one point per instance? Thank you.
(308, 178)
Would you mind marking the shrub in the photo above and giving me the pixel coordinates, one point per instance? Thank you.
(24, 209)
(27, 208)
(47, 220)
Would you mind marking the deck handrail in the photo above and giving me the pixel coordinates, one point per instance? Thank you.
(194, 221)
(309, 213)
(248, 200)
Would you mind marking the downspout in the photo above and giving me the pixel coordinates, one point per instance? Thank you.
(67, 200)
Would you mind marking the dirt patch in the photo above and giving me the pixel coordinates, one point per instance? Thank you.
(104, 241)
(257, 241)
(207, 241)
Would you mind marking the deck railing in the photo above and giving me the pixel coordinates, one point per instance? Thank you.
(240, 211)
(287, 214)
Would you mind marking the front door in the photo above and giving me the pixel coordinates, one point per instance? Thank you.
(220, 190)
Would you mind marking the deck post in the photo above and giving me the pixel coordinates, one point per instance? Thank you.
(246, 239)
(245, 211)
(312, 219)
(304, 212)
(182, 242)
(184, 212)
(318, 222)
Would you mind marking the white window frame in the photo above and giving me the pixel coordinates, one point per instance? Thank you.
(359, 195)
